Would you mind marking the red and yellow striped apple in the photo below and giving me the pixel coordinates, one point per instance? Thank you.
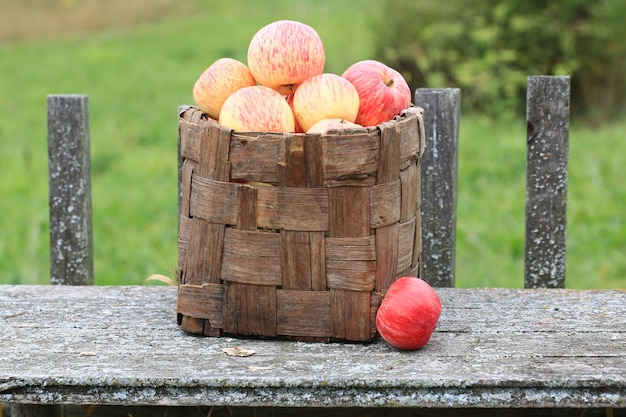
(217, 82)
(383, 91)
(257, 109)
(326, 125)
(284, 53)
(325, 96)
(298, 128)
(408, 314)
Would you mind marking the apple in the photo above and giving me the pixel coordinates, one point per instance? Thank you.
(284, 53)
(257, 109)
(325, 125)
(298, 128)
(325, 96)
(408, 314)
(383, 91)
(217, 82)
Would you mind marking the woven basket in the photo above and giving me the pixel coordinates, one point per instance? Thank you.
(305, 251)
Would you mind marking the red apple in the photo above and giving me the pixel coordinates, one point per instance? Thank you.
(257, 109)
(384, 93)
(284, 53)
(325, 125)
(408, 314)
(325, 96)
(217, 82)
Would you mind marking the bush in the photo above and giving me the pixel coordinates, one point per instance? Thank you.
(489, 48)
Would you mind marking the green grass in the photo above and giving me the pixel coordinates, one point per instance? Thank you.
(491, 204)
(137, 74)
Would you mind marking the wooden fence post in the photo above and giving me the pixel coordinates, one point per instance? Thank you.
(69, 176)
(547, 137)
(439, 173)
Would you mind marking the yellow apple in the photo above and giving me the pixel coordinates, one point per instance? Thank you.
(325, 96)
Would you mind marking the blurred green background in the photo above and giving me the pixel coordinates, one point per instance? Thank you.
(137, 61)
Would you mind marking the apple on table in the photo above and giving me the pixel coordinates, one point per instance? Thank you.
(408, 314)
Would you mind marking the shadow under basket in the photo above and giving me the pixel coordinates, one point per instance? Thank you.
(295, 236)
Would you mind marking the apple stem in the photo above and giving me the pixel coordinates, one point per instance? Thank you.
(390, 82)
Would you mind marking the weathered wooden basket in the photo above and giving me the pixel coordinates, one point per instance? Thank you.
(294, 235)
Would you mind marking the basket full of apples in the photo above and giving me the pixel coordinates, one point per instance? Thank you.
(300, 192)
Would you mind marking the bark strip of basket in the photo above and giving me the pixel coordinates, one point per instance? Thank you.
(256, 158)
(214, 150)
(349, 211)
(189, 134)
(203, 257)
(313, 161)
(251, 257)
(389, 160)
(201, 301)
(191, 324)
(214, 201)
(375, 299)
(295, 260)
(406, 245)
(318, 261)
(246, 203)
(350, 155)
(351, 263)
(411, 129)
(249, 309)
(303, 313)
(356, 275)
(184, 230)
(292, 169)
(417, 247)
(185, 180)
(304, 209)
(213, 164)
(351, 314)
(385, 201)
(387, 246)
(410, 185)
(295, 244)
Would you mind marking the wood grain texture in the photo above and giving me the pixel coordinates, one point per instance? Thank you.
(547, 115)
(439, 171)
(69, 177)
(492, 348)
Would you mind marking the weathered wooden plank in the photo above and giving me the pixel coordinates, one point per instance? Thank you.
(493, 348)
(224, 411)
(69, 176)
(439, 183)
(547, 137)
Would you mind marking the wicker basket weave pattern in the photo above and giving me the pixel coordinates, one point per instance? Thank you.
(293, 235)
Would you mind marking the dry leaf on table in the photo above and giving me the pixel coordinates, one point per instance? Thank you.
(238, 351)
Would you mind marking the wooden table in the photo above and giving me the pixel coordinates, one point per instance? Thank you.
(493, 348)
